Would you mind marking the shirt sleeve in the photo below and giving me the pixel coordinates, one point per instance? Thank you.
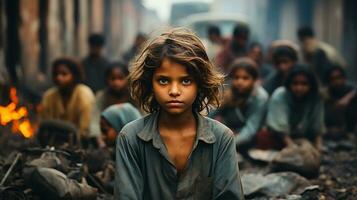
(86, 111)
(278, 113)
(227, 183)
(253, 123)
(129, 182)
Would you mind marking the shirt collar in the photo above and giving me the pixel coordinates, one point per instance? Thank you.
(150, 130)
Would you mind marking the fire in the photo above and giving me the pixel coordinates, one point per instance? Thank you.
(16, 115)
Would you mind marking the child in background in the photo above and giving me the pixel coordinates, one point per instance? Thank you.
(244, 105)
(296, 109)
(175, 152)
(113, 119)
(340, 102)
(116, 92)
(284, 57)
(255, 52)
(95, 64)
(69, 99)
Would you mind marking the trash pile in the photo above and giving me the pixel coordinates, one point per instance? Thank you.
(54, 165)
(30, 170)
(301, 173)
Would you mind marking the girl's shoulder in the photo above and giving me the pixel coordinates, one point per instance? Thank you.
(83, 93)
(216, 128)
(279, 92)
(84, 89)
(51, 92)
(260, 93)
(134, 127)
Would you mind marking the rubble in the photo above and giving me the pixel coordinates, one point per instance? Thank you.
(90, 173)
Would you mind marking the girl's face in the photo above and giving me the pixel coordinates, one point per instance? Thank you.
(108, 132)
(337, 79)
(300, 86)
(256, 54)
(63, 77)
(117, 81)
(174, 88)
(284, 64)
(242, 81)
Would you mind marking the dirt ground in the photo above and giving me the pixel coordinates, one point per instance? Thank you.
(337, 178)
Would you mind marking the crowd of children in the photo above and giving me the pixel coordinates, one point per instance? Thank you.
(267, 101)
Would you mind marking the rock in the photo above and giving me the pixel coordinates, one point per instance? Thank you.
(273, 185)
(47, 182)
(302, 158)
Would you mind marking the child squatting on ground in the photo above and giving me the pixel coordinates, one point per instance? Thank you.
(175, 152)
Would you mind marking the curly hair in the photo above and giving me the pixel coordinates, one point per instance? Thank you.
(181, 46)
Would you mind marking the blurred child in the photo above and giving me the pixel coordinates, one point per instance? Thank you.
(69, 99)
(244, 106)
(236, 47)
(255, 52)
(116, 92)
(296, 109)
(113, 119)
(284, 57)
(95, 64)
(340, 102)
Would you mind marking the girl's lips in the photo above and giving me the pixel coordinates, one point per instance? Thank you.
(174, 103)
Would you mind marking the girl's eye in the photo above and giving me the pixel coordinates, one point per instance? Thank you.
(163, 81)
(186, 82)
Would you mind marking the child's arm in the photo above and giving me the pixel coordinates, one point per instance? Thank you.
(227, 184)
(253, 123)
(128, 179)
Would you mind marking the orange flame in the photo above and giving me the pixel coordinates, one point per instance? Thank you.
(16, 116)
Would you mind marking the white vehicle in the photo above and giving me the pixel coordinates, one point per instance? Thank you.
(226, 22)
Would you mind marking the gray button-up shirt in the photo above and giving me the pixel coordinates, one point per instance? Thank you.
(145, 171)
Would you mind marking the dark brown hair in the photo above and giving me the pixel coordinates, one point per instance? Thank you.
(72, 65)
(184, 47)
(245, 63)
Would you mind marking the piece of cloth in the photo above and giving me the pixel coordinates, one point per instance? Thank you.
(245, 122)
(52, 184)
(94, 72)
(120, 114)
(302, 158)
(103, 99)
(299, 120)
(77, 111)
(145, 171)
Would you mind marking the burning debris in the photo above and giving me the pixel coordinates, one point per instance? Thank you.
(16, 116)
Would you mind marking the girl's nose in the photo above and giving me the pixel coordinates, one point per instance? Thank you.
(174, 90)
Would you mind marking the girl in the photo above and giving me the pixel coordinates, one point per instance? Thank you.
(113, 120)
(174, 152)
(340, 102)
(296, 110)
(284, 56)
(69, 99)
(255, 52)
(116, 92)
(245, 104)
